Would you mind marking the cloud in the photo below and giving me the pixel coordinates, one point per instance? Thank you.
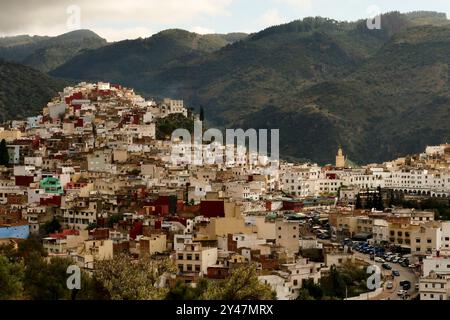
(271, 18)
(51, 17)
(118, 34)
(202, 30)
(298, 4)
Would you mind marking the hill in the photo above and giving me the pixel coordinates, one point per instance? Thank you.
(47, 53)
(127, 61)
(25, 91)
(324, 83)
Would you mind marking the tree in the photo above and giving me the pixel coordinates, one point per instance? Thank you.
(47, 280)
(91, 226)
(4, 155)
(11, 279)
(379, 200)
(183, 291)
(304, 295)
(243, 284)
(114, 219)
(125, 279)
(202, 114)
(358, 204)
(333, 285)
(29, 247)
(313, 289)
(52, 226)
(369, 200)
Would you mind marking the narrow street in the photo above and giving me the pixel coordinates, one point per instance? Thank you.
(405, 274)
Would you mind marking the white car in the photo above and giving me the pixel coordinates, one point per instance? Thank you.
(379, 260)
(389, 285)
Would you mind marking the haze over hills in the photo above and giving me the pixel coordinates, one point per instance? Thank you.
(378, 93)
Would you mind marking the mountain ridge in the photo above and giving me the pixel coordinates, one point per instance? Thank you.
(322, 82)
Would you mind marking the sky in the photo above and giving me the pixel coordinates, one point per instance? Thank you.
(117, 20)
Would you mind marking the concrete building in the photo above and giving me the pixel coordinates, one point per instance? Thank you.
(287, 235)
(194, 258)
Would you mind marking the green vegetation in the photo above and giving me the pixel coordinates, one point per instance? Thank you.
(52, 226)
(24, 91)
(47, 53)
(122, 279)
(165, 126)
(26, 274)
(114, 219)
(11, 274)
(4, 155)
(348, 280)
(372, 200)
(242, 284)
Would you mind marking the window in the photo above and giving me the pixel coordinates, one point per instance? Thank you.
(197, 268)
(197, 257)
(180, 256)
(189, 267)
(189, 257)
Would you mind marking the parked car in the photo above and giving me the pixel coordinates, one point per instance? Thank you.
(412, 266)
(379, 260)
(389, 285)
(386, 266)
(404, 264)
(395, 273)
(395, 260)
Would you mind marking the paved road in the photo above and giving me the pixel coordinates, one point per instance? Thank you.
(405, 274)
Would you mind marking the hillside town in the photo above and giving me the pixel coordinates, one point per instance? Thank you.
(93, 164)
